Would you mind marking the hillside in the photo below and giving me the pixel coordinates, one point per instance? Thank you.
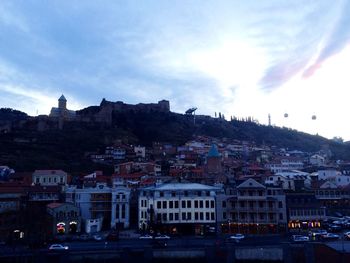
(25, 148)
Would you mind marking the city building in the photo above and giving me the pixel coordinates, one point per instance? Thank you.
(186, 208)
(101, 206)
(49, 177)
(63, 218)
(251, 207)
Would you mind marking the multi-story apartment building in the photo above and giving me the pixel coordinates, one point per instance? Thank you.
(304, 210)
(252, 207)
(49, 177)
(178, 208)
(101, 206)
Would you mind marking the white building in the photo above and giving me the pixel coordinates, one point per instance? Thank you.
(333, 176)
(288, 179)
(285, 164)
(178, 207)
(49, 177)
(102, 206)
(317, 160)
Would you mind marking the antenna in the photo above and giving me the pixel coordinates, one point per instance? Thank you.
(269, 119)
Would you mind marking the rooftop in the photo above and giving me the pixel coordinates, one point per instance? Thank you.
(182, 186)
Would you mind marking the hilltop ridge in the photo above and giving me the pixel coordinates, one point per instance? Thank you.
(41, 141)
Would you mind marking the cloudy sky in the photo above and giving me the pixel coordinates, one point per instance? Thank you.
(241, 58)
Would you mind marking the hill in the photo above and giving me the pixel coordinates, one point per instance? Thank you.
(26, 147)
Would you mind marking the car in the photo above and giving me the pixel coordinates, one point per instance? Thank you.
(237, 237)
(347, 235)
(97, 237)
(334, 228)
(317, 233)
(146, 237)
(300, 238)
(162, 237)
(330, 236)
(84, 237)
(58, 247)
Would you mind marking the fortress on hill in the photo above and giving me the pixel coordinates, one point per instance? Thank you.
(104, 112)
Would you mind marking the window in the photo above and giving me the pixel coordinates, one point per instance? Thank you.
(196, 216)
(183, 204)
(212, 204)
(201, 216)
(37, 180)
(173, 194)
(281, 216)
(186, 193)
(199, 193)
(207, 193)
(161, 194)
(176, 204)
(188, 203)
(201, 204)
(183, 216)
(164, 205)
(171, 217)
(207, 216)
(188, 215)
(159, 204)
(196, 204)
(44, 179)
(224, 204)
(176, 216)
(55, 180)
(224, 216)
(280, 205)
(171, 204)
(61, 180)
(123, 211)
(164, 217)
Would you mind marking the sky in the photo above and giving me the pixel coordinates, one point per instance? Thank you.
(240, 58)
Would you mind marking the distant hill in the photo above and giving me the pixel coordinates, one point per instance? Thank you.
(27, 147)
(10, 115)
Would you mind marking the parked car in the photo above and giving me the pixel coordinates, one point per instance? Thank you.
(347, 235)
(237, 237)
(334, 228)
(162, 237)
(330, 236)
(85, 237)
(317, 233)
(97, 237)
(146, 237)
(300, 238)
(58, 247)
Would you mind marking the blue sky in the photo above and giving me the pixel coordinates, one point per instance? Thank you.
(242, 58)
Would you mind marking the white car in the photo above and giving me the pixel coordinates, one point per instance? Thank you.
(300, 238)
(237, 237)
(162, 237)
(146, 237)
(58, 247)
(330, 236)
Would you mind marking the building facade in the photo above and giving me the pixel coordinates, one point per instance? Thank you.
(101, 206)
(253, 208)
(186, 208)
